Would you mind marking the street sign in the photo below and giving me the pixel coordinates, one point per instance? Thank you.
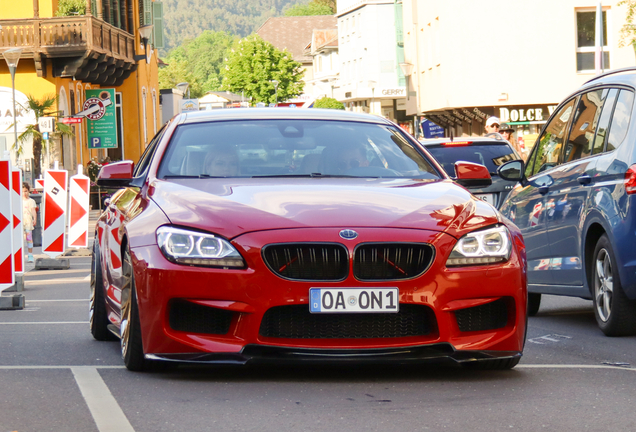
(79, 190)
(47, 124)
(7, 274)
(189, 105)
(45, 135)
(55, 194)
(71, 120)
(101, 118)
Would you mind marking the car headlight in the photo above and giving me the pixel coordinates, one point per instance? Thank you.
(196, 248)
(488, 246)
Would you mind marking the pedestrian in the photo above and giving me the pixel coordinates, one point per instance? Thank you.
(492, 125)
(508, 133)
(28, 218)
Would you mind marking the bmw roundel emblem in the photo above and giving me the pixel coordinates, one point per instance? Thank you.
(348, 234)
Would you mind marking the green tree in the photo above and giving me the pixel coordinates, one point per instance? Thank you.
(41, 108)
(628, 31)
(327, 102)
(71, 7)
(253, 64)
(198, 61)
(312, 8)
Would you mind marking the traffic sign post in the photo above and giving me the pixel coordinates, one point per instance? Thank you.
(7, 275)
(55, 194)
(18, 234)
(101, 123)
(78, 210)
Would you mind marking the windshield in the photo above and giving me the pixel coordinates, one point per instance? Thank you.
(490, 155)
(267, 148)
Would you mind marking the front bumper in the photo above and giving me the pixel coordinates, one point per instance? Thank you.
(263, 354)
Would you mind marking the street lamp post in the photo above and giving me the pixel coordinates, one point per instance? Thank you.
(12, 57)
(275, 82)
(407, 68)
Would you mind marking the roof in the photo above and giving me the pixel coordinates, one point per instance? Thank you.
(278, 113)
(229, 96)
(295, 33)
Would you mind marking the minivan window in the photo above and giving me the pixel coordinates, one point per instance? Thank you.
(586, 116)
(603, 124)
(620, 120)
(550, 143)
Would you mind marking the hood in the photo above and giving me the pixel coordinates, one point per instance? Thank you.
(230, 207)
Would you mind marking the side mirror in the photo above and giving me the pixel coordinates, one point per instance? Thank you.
(117, 174)
(512, 171)
(472, 175)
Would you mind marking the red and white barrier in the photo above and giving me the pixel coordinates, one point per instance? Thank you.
(39, 184)
(55, 194)
(79, 190)
(18, 234)
(7, 276)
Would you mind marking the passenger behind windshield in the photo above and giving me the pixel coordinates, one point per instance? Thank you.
(222, 161)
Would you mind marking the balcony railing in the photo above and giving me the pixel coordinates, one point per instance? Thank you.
(66, 36)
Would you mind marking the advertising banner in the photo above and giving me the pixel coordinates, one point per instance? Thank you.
(101, 118)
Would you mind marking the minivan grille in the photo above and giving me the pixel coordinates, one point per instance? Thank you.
(391, 261)
(489, 316)
(308, 261)
(296, 322)
(194, 318)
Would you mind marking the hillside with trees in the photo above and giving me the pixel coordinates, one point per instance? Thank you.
(187, 19)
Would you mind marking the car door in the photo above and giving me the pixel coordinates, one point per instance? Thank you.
(572, 183)
(527, 204)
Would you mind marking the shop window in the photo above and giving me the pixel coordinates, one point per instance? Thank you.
(586, 39)
(620, 119)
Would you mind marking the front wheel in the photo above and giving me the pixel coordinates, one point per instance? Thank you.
(615, 313)
(132, 349)
(534, 302)
(98, 315)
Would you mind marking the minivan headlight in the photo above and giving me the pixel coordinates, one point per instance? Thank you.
(487, 246)
(195, 248)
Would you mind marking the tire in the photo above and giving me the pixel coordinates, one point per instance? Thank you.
(614, 312)
(132, 350)
(97, 313)
(534, 302)
(493, 364)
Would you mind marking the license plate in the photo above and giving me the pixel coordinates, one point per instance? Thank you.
(353, 300)
(489, 198)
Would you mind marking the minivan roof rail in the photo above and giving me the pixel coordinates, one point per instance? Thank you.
(614, 71)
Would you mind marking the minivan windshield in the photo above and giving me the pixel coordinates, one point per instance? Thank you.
(281, 147)
(490, 155)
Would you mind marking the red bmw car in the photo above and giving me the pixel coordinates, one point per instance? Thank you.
(291, 235)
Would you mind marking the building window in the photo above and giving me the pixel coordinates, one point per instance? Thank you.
(586, 39)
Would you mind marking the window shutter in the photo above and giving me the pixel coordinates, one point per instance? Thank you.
(147, 13)
(157, 20)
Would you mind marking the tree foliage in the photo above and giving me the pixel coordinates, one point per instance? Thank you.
(71, 7)
(312, 8)
(186, 19)
(628, 31)
(198, 62)
(41, 108)
(253, 64)
(327, 102)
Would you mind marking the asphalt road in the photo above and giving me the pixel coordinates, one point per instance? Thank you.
(55, 377)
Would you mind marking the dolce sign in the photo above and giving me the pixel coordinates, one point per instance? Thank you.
(524, 114)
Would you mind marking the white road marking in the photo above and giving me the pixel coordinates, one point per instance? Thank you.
(540, 340)
(104, 408)
(553, 366)
(57, 300)
(88, 278)
(56, 281)
(44, 322)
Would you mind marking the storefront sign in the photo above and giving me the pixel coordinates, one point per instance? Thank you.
(189, 105)
(530, 114)
(394, 92)
(431, 130)
(24, 117)
(101, 118)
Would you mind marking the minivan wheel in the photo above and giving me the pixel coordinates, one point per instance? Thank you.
(615, 313)
(534, 302)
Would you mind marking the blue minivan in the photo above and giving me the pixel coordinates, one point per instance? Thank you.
(575, 202)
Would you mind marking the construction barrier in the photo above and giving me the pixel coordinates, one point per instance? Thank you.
(79, 190)
(55, 194)
(7, 276)
(18, 233)
(39, 184)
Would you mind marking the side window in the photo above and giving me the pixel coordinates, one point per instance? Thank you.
(586, 117)
(620, 120)
(146, 157)
(551, 141)
(603, 123)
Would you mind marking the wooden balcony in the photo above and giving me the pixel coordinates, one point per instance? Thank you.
(81, 47)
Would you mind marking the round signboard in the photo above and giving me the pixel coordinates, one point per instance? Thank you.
(97, 113)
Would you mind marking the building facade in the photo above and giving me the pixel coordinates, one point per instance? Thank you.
(66, 56)
(511, 59)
